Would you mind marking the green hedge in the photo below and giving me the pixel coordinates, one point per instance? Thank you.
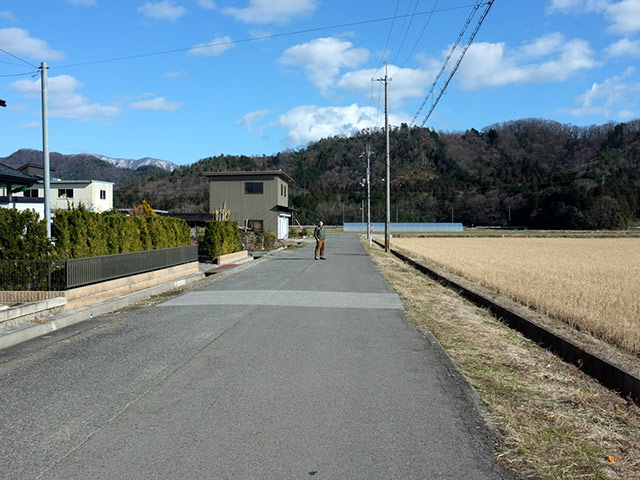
(80, 233)
(23, 235)
(222, 237)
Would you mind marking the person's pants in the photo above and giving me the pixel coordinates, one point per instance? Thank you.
(319, 248)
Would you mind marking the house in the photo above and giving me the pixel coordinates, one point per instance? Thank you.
(95, 195)
(256, 200)
(12, 185)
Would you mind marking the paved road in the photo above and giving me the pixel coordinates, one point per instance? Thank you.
(292, 368)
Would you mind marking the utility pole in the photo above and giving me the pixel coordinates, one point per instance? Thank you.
(387, 223)
(369, 235)
(45, 149)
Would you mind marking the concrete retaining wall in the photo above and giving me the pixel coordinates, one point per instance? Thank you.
(29, 312)
(232, 257)
(49, 303)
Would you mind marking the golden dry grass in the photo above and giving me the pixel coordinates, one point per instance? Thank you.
(552, 420)
(593, 284)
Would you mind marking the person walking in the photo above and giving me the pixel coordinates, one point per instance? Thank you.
(318, 234)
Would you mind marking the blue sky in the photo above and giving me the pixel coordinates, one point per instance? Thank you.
(243, 77)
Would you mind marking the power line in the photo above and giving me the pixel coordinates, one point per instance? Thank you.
(489, 4)
(386, 44)
(255, 39)
(18, 74)
(446, 61)
(18, 58)
(419, 36)
(404, 38)
(11, 63)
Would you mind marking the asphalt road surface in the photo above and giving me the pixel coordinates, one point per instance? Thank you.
(291, 369)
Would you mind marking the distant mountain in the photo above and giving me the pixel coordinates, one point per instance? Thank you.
(135, 164)
(81, 166)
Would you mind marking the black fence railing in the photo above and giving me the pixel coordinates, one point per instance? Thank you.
(35, 275)
(57, 275)
(85, 271)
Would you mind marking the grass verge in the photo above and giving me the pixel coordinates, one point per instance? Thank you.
(553, 422)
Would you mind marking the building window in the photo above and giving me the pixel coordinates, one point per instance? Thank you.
(285, 190)
(103, 194)
(33, 193)
(65, 193)
(253, 187)
(256, 225)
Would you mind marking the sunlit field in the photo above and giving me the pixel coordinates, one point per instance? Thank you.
(591, 283)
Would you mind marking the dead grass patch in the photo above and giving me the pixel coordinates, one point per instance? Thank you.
(590, 283)
(553, 421)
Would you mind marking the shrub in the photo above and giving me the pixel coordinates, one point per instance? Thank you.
(80, 233)
(268, 241)
(23, 235)
(221, 238)
(295, 232)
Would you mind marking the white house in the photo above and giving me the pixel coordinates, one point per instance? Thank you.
(95, 195)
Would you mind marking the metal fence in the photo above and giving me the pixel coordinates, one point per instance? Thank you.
(57, 275)
(378, 227)
(85, 271)
(35, 275)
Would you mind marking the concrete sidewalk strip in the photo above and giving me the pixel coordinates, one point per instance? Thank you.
(288, 298)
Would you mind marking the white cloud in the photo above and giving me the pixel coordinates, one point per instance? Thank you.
(613, 98)
(83, 3)
(164, 10)
(272, 11)
(34, 124)
(20, 43)
(250, 118)
(323, 58)
(494, 64)
(406, 82)
(156, 104)
(308, 123)
(7, 15)
(623, 15)
(216, 47)
(624, 48)
(64, 102)
(176, 74)
(207, 4)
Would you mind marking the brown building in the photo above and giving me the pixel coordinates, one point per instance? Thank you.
(258, 200)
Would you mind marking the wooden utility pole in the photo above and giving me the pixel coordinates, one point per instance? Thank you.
(45, 149)
(387, 223)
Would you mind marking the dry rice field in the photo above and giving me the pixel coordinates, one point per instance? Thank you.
(593, 284)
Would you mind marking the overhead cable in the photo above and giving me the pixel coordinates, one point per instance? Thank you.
(446, 61)
(455, 68)
(254, 39)
(18, 58)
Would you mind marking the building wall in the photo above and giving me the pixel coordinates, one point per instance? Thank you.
(87, 193)
(244, 207)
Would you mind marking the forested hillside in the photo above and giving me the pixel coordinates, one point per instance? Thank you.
(77, 167)
(533, 173)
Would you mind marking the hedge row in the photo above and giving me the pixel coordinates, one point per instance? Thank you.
(80, 233)
(222, 237)
(23, 235)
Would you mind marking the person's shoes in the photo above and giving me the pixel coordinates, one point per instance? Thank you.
(316, 258)
(322, 258)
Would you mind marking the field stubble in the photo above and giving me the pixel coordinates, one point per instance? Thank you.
(591, 284)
